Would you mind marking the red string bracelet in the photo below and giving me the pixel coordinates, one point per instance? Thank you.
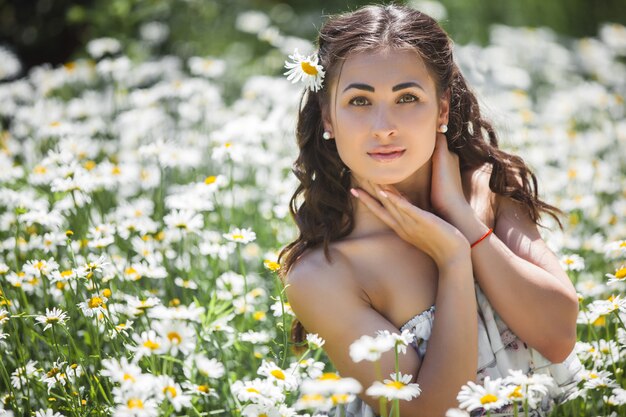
(482, 238)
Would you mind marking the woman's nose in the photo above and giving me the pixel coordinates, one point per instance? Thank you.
(383, 125)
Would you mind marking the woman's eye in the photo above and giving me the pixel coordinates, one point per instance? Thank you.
(407, 98)
(359, 101)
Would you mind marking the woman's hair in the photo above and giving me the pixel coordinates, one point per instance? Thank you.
(325, 213)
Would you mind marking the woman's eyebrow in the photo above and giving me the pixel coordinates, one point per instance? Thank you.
(359, 86)
(397, 87)
(402, 86)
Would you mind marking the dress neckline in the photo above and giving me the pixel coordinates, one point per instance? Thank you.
(417, 318)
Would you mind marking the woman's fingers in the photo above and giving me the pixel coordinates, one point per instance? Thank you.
(380, 211)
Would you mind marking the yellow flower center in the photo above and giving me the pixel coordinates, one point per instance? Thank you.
(395, 384)
(210, 179)
(95, 302)
(151, 345)
(620, 273)
(129, 377)
(66, 273)
(135, 403)
(40, 169)
(271, 265)
(238, 237)
(258, 315)
(339, 398)
(308, 68)
(203, 388)
(517, 392)
(174, 337)
(329, 376)
(170, 390)
(278, 374)
(253, 390)
(600, 321)
(312, 397)
(569, 261)
(489, 398)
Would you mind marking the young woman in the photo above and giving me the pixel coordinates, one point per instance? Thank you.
(401, 186)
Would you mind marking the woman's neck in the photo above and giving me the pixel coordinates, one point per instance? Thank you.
(416, 189)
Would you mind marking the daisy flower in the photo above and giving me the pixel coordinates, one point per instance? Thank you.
(238, 235)
(52, 317)
(259, 391)
(148, 343)
(527, 387)
(121, 371)
(20, 377)
(572, 262)
(94, 305)
(598, 380)
(369, 348)
(176, 337)
(134, 401)
(38, 268)
(488, 397)
(331, 383)
(313, 401)
(305, 69)
(277, 309)
(208, 367)
(279, 376)
(314, 340)
(166, 387)
(4, 316)
(401, 341)
(618, 276)
(398, 387)
(256, 410)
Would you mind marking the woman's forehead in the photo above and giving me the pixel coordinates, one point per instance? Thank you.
(385, 67)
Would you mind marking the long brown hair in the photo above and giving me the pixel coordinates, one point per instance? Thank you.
(321, 206)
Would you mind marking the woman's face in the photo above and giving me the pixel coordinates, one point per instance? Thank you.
(384, 101)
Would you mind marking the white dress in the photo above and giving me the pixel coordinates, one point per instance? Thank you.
(499, 350)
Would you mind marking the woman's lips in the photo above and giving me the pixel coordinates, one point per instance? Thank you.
(387, 157)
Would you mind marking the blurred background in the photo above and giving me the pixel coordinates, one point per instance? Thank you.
(56, 31)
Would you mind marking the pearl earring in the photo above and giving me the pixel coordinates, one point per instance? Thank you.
(326, 135)
(443, 128)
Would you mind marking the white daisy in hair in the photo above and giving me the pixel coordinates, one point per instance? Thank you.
(305, 69)
(398, 387)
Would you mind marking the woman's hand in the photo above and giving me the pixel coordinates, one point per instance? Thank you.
(424, 230)
(446, 189)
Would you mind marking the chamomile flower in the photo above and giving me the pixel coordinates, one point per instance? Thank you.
(167, 388)
(488, 397)
(258, 391)
(52, 317)
(305, 69)
(330, 383)
(314, 340)
(21, 375)
(369, 348)
(572, 262)
(148, 343)
(279, 376)
(134, 402)
(121, 371)
(238, 235)
(401, 341)
(398, 387)
(618, 276)
(176, 337)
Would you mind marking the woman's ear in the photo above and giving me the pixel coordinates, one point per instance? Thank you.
(328, 126)
(444, 108)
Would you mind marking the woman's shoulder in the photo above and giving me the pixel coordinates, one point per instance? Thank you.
(314, 268)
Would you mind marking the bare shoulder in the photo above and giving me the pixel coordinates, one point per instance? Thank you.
(328, 300)
(313, 282)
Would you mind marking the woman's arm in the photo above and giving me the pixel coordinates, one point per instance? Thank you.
(522, 278)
